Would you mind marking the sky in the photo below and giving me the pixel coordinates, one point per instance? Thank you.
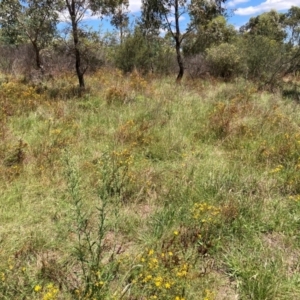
(240, 10)
(245, 9)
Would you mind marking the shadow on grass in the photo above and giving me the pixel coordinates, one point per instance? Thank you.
(291, 92)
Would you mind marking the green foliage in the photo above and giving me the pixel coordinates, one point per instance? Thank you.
(134, 52)
(145, 53)
(166, 15)
(10, 32)
(29, 21)
(120, 19)
(263, 56)
(225, 60)
(293, 25)
(76, 12)
(269, 46)
(270, 24)
(95, 275)
(210, 34)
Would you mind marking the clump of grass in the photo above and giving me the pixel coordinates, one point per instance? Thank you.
(137, 82)
(17, 98)
(134, 133)
(160, 274)
(16, 155)
(115, 95)
(13, 157)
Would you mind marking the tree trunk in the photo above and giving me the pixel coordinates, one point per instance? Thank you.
(179, 61)
(37, 57)
(79, 71)
(178, 40)
(121, 34)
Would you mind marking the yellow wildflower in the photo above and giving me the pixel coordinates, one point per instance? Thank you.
(167, 285)
(37, 288)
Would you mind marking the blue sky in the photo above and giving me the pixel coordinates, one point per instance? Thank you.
(245, 9)
(242, 10)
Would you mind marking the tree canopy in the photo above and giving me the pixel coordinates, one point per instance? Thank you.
(167, 14)
(29, 21)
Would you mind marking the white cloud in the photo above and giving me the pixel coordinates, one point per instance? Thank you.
(267, 6)
(233, 3)
(135, 5)
(172, 19)
(90, 16)
(65, 17)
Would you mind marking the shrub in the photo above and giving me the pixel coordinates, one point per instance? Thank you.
(225, 60)
(144, 53)
(133, 53)
(264, 57)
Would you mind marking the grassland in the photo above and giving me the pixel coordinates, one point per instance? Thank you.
(141, 189)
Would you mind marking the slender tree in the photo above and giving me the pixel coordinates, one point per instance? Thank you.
(29, 21)
(167, 15)
(120, 18)
(292, 25)
(77, 10)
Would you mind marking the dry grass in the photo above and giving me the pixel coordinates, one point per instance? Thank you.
(141, 189)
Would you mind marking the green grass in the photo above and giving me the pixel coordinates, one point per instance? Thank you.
(141, 189)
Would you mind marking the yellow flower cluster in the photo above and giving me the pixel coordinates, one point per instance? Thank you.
(295, 198)
(19, 91)
(204, 212)
(55, 131)
(50, 292)
(182, 271)
(277, 169)
(123, 157)
(209, 295)
(163, 274)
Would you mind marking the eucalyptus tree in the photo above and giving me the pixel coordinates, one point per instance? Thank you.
(120, 18)
(77, 11)
(168, 16)
(270, 24)
(32, 21)
(271, 46)
(292, 25)
(292, 28)
(212, 33)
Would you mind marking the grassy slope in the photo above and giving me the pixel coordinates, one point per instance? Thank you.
(199, 187)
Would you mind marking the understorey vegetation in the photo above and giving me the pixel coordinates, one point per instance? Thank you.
(117, 182)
